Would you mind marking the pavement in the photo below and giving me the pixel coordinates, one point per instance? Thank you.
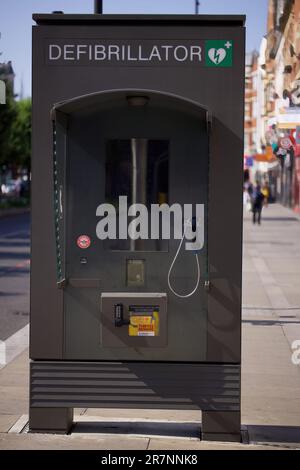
(14, 284)
(270, 379)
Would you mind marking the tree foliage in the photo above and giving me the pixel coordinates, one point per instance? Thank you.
(15, 132)
(20, 138)
(8, 115)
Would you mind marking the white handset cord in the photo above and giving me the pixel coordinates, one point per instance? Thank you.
(185, 296)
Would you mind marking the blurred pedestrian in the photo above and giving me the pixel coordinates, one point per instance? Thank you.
(247, 200)
(266, 192)
(257, 204)
(249, 188)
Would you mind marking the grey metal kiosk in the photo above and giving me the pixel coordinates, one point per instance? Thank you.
(149, 108)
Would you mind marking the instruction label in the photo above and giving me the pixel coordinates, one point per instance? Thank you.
(143, 320)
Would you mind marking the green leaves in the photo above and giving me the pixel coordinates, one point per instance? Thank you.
(8, 114)
(20, 136)
(15, 132)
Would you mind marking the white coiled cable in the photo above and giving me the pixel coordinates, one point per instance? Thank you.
(184, 296)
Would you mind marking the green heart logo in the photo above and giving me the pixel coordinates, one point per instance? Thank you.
(218, 53)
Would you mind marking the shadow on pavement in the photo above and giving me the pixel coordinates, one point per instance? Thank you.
(13, 272)
(19, 236)
(256, 434)
(272, 322)
(191, 430)
(274, 434)
(269, 242)
(280, 219)
(10, 294)
(13, 255)
(15, 244)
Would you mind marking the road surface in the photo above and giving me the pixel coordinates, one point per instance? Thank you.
(14, 273)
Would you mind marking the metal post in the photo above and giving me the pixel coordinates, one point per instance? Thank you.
(197, 4)
(98, 7)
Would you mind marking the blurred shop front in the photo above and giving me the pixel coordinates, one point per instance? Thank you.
(263, 169)
(284, 168)
(279, 108)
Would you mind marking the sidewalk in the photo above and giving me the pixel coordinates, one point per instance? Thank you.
(271, 323)
(270, 381)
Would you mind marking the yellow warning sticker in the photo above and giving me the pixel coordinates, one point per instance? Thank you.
(141, 324)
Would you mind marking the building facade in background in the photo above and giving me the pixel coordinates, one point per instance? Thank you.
(274, 135)
(251, 103)
(7, 74)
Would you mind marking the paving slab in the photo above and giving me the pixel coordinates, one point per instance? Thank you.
(72, 442)
(160, 415)
(169, 444)
(7, 421)
(14, 386)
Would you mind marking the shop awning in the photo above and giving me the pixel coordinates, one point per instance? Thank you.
(268, 156)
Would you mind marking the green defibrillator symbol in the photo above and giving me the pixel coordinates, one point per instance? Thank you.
(218, 53)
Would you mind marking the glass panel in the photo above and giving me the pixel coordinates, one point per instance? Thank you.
(138, 169)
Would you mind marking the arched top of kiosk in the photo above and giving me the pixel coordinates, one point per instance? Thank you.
(130, 97)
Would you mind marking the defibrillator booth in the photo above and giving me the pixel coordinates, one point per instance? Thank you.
(136, 258)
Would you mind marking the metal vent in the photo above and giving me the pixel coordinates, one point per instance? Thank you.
(135, 385)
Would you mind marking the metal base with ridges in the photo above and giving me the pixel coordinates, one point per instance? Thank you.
(62, 384)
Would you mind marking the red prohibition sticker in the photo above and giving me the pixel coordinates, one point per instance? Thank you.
(83, 242)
